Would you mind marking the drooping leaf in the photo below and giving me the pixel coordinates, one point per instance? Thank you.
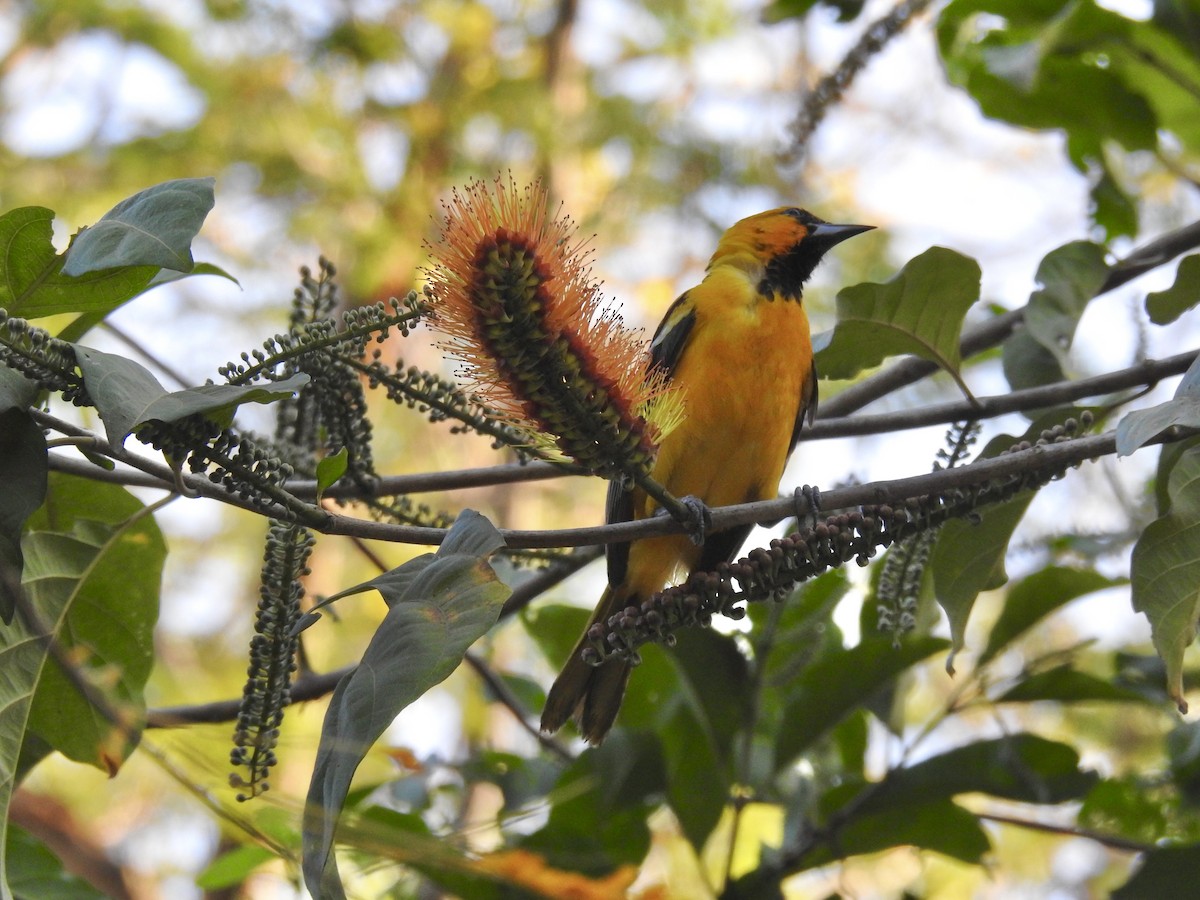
(1035, 597)
(1140, 425)
(1165, 572)
(127, 395)
(920, 311)
(968, 559)
(23, 473)
(431, 622)
(1162, 873)
(154, 227)
(833, 685)
(1164, 307)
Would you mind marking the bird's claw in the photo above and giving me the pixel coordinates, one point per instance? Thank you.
(807, 500)
(699, 518)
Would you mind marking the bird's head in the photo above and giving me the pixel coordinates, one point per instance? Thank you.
(781, 247)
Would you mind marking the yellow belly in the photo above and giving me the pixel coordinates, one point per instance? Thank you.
(743, 373)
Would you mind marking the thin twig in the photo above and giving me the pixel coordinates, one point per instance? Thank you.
(508, 700)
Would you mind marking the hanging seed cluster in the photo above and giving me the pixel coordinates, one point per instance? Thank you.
(770, 573)
(899, 586)
(272, 657)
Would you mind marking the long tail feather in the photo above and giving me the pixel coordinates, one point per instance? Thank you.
(591, 695)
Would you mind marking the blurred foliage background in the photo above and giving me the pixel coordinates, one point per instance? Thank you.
(337, 126)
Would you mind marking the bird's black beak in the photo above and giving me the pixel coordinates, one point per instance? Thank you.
(826, 234)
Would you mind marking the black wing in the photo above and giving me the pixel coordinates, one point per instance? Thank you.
(666, 347)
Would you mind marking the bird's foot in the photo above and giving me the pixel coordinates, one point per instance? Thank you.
(807, 500)
(699, 518)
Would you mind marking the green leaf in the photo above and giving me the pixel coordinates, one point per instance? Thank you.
(833, 685)
(32, 284)
(37, 874)
(1035, 597)
(600, 805)
(1070, 276)
(969, 556)
(99, 553)
(94, 561)
(1022, 767)
(1164, 307)
(705, 713)
(919, 311)
(1064, 684)
(940, 825)
(330, 469)
(154, 227)
(1027, 363)
(128, 396)
(23, 474)
(431, 622)
(968, 559)
(1137, 428)
(1163, 873)
(1165, 572)
(782, 10)
(233, 867)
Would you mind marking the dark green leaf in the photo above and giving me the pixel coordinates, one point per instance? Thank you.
(1027, 363)
(782, 10)
(1066, 685)
(600, 805)
(1164, 872)
(1164, 307)
(968, 559)
(1165, 572)
(941, 826)
(23, 474)
(37, 874)
(1035, 597)
(969, 556)
(920, 311)
(1021, 767)
(128, 396)
(431, 622)
(1070, 277)
(833, 685)
(154, 227)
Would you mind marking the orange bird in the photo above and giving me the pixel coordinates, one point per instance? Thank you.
(738, 346)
